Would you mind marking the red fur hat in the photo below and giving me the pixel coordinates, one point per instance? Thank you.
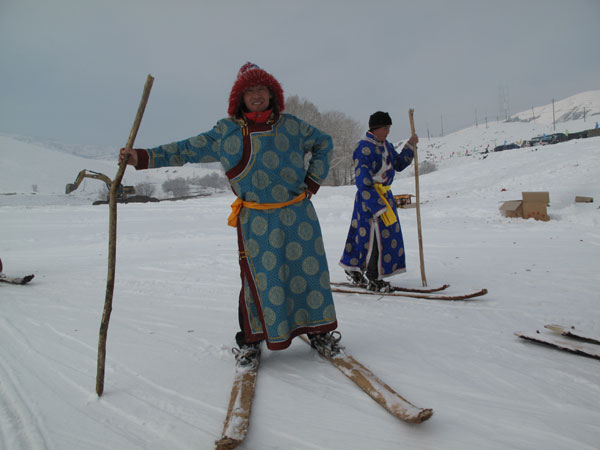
(251, 75)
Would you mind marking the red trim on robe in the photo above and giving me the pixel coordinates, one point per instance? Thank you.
(247, 148)
(312, 185)
(143, 159)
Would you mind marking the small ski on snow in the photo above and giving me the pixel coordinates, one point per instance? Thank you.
(240, 405)
(573, 333)
(379, 391)
(360, 290)
(15, 280)
(394, 288)
(562, 343)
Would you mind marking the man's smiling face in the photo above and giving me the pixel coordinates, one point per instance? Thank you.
(257, 98)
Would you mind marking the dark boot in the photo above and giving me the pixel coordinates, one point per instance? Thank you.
(326, 343)
(356, 277)
(379, 286)
(247, 354)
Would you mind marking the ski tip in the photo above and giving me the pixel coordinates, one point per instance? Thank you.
(227, 443)
(424, 415)
(28, 278)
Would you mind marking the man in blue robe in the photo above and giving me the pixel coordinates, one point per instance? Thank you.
(374, 246)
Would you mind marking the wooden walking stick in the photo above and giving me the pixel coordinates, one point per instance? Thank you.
(112, 239)
(412, 130)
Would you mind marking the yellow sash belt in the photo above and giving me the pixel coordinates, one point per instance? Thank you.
(236, 207)
(388, 216)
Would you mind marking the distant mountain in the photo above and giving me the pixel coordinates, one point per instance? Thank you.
(30, 169)
(83, 150)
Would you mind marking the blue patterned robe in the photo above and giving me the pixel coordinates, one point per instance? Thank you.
(285, 278)
(375, 162)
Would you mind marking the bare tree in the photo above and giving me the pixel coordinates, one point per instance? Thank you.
(344, 131)
(215, 180)
(304, 109)
(145, 188)
(178, 187)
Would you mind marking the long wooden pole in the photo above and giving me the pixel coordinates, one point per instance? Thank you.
(112, 239)
(418, 198)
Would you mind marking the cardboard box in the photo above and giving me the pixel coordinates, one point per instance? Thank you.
(512, 208)
(533, 205)
(579, 199)
(536, 210)
(536, 197)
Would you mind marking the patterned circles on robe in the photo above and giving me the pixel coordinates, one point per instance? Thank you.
(375, 163)
(285, 276)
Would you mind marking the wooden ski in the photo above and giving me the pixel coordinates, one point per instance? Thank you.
(240, 405)
(425, 290)
(379, 391)
(16, 280)
(573, 333)
(569, 345)
(411, 295)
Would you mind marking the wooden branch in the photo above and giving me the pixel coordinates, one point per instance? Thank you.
(112, 239)
(417, 195)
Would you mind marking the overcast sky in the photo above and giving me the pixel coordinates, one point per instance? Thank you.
(74, 70)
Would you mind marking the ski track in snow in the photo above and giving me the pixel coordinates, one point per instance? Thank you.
(20, 426)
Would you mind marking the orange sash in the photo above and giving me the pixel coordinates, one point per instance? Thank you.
(236, 207)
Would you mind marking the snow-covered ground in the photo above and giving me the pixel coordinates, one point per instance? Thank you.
(169, 363)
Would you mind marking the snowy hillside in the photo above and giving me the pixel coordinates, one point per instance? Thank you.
(169, 363)
(585, 105)
(28, 168)
(33, 174)
(568, 116)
